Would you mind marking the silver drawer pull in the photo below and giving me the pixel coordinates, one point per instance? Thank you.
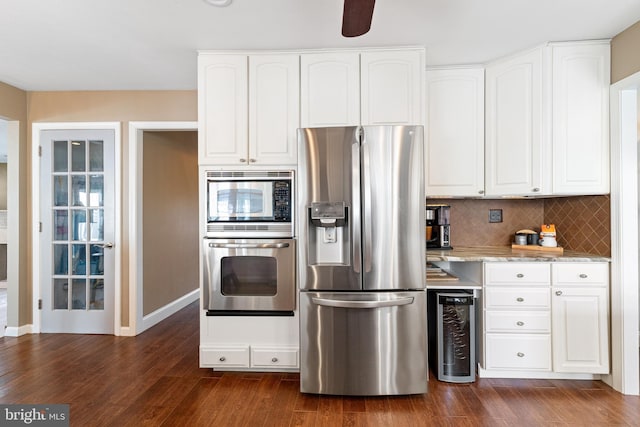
(274, 360)
(520, 299)
(223, 359)
(558, 293)
(519, 275)
(583, 276)
(520, 323)
(520, 354)
(243, 160)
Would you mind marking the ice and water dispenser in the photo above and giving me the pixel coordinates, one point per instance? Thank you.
(328, 233)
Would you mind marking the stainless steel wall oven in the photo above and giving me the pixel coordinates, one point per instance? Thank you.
(249, 250)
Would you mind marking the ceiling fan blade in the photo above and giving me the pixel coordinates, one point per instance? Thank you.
(357, 16)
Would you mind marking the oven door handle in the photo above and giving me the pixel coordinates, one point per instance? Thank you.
(362, 304)
(249, 245)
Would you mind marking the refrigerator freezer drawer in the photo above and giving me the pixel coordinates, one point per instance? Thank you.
(363, 343)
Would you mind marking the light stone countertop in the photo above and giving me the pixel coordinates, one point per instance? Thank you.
(505, 253)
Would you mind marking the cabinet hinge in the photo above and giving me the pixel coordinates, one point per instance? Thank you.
(40, 304)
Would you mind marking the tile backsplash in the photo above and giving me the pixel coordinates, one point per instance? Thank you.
(582, 222)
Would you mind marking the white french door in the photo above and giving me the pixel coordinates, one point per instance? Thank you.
(77, 215)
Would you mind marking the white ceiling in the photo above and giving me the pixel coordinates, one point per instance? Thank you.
(144, 44)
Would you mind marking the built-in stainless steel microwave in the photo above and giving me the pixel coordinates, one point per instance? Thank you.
(249, 204)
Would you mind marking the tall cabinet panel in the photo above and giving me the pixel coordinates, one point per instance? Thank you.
(581, 78)
(274, 105)
(391, 87)
(330, 89)
(222, 109)
(454, 132)
(516, 125)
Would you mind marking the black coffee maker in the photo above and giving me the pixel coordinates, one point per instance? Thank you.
(438, 229)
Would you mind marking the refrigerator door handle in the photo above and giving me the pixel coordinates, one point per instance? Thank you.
(366, 195)
(362, 304)
(249, 245)
(356, 223)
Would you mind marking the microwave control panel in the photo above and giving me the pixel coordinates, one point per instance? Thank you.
(282, 201)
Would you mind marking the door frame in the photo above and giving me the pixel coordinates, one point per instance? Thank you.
(138, 322)
(625, 305)
(36, 129)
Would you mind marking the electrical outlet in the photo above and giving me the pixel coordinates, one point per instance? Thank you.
(495, 215)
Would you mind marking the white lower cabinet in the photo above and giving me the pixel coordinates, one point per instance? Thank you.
(545, 319)
(580, 312)
(239, 357)
(247, 343)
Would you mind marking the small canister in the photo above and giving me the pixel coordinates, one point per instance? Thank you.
(532, 239)
(520, 239)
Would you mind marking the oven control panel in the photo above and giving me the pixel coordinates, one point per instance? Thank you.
(282, 200)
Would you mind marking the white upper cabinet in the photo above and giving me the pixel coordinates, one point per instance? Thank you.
(581, 79)
(516, 126)
(274, 106)
(222, 109)
(391, 87)
(376, 87)
(248, 109)
(547, 121)
(330, 89)
(454, 132)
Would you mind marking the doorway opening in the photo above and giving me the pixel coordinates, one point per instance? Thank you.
(4, 143)
(163, 232)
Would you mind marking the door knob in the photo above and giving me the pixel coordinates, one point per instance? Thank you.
(107, 245)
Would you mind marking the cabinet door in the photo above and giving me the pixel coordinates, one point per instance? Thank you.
(274, 106)
(581, 75)
(392, 88)
(454, 133)
(330, 89)
(222, 109)
(580, 330)
(516, 136)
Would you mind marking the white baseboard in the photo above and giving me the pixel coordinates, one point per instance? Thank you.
(13, 331)
(160, 314)
(126, 331)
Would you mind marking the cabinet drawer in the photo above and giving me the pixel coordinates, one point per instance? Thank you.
(517, 298)
(518, 321)
(218, 357)
(274, 357)
(583, 273)
(522, 352)
(510, 273)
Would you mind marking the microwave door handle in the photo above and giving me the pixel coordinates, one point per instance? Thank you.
(362, 304)
(249, 245)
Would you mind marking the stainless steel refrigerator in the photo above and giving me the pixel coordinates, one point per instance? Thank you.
(363, 304)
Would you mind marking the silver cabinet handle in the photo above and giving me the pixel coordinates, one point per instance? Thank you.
(519, 354)
(274, 359)
(535, 189)
(252, 160)
(520, 299)
(249, 245)
(480, 191)
(583, 276)
(361, 304)
(223, 359)
(520, 323)
(243, 160)
(558, 293)
(519, 275)
(107, 245)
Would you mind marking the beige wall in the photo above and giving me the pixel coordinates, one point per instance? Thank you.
(170, 217)
(121, 106)
(625, 57)
(13, 107)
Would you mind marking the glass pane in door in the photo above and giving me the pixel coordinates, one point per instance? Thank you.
(78, 217)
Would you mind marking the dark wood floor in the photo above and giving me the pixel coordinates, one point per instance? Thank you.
(154, 380)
